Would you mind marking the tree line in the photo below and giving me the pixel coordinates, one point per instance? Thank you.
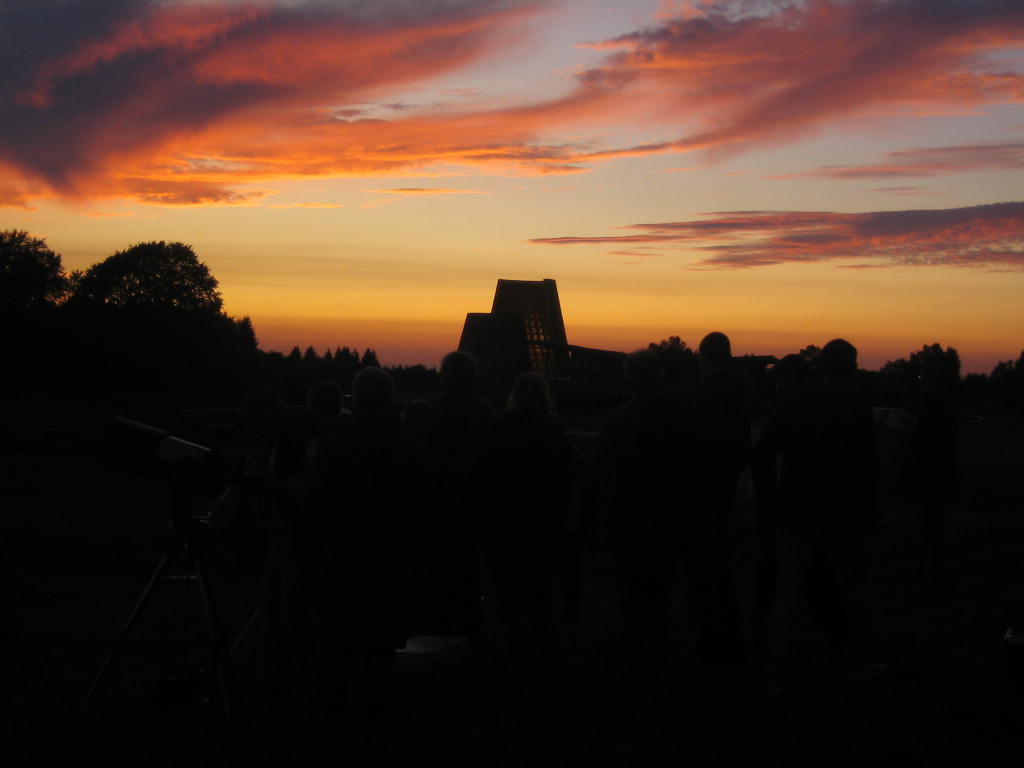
(149, 320)
(895, 384)
(146, 322)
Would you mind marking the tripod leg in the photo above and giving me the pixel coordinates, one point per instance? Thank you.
(249, 624)
(122, 637)
(218, 650)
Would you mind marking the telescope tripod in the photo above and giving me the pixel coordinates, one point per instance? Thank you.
(191, 537)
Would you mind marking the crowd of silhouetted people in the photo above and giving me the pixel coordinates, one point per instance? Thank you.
(376, 525)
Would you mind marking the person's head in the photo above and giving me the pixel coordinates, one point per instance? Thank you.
(325, 399)
(372, 390)
(530, 394)
(838, 359)
(458, 371)
(790, 374)
(641, 371)
(715, 352)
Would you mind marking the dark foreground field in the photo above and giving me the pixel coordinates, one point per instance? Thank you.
(78, 543)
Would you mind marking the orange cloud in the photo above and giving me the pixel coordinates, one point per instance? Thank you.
(289, 206)
(928, 161)
(179, 102)
(127, 94)
(741, 73)
(979, 236)
(419, 191)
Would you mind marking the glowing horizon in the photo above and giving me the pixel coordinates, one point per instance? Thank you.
(362, 174)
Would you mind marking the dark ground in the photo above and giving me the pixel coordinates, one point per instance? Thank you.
(78, 543)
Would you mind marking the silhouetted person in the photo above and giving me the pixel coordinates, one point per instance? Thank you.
(640, 471)
(527, 471)
(790, 377)
(460, 421)
(570, 579)
(326, 400)
(272, 460)
(360, 480)
(322, 416)
(928, 476)
(822, 440)
(416, 418)
(724, 436)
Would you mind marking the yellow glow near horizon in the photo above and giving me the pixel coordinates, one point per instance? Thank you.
(364, 179)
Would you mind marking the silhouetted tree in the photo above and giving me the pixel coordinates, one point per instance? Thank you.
(416, 379)
(679, 363)
(901, 377)
(158, 274)
(1007, 384)
(31, 274)
(369, 359)
(933, 355)
(975, 387)
(346, 363)
(246, 333)
(812, 354)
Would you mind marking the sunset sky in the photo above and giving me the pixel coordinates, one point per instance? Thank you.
(362, 173)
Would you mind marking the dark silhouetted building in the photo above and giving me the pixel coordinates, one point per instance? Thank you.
(524, 331)
(536, 303)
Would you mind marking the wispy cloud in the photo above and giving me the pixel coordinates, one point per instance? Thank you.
(116, 98)
(289, 206)
(744, 71)
(178, 102)
(903, 191)
(108, 214)
(927, 161)
(979, 236)
(421, 191)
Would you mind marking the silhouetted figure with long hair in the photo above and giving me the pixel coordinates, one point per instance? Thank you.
(264, 507)
(928, 476)
(322, 416)
(460, 422)
(361, 479)
(724, 435)
(641, 470)
(815, 468)
(791, 375)
(527, 471)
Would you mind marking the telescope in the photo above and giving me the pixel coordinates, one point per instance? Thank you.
(146, 450)
(194, 471)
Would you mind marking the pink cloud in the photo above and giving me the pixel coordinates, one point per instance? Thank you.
(123, 98)
(744, 72)
(928, 161)
(136, 88)
(978, 236)
(903, 191)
